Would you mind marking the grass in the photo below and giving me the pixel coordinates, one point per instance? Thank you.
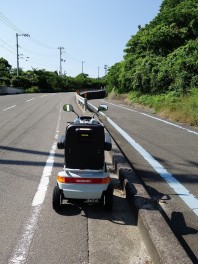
(178, 108)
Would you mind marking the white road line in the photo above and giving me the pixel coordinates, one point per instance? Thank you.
(9, 107)
(153, 117)
(178, 188)
(21, 251)
(30, 100)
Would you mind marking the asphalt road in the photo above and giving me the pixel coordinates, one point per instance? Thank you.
(164, 155)
(30, 231)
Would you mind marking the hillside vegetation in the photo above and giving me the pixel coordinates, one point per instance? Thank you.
(160, 65)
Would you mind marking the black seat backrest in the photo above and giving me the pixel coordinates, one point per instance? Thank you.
(84, 146)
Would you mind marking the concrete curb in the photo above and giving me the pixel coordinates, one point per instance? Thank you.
(159, 239)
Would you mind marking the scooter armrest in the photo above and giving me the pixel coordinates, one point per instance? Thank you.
(61, 142)
(108, 144)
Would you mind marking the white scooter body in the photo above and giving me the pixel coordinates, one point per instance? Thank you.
(83, 184)
(86, 184)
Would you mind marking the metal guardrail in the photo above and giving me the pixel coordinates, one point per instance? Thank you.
(81, 101)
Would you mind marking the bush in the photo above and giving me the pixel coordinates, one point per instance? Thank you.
(33, 89)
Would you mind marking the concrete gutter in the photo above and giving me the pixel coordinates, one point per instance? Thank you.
(160, 241)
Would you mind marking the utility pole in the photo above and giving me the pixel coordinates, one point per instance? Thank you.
(98, 72)
(105, 68)
(17, 46)
(82, 65)
(60, 48)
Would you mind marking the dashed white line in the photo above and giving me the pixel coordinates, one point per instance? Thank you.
(9, 107)
(30, 100)
(22, 248)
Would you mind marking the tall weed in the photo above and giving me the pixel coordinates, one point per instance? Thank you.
(171, 105)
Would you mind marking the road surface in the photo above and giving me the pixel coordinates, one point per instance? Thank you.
(31, 231)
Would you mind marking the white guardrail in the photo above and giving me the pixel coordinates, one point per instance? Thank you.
(81, 101)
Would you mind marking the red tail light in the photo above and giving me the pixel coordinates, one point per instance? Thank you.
(83, 180)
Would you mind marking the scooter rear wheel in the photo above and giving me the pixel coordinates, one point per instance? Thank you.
(107, 198)
(57, 199)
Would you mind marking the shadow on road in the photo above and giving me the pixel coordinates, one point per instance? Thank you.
(27, 162)
(120, 215)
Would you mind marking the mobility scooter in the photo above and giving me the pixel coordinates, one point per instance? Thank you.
(85, 174)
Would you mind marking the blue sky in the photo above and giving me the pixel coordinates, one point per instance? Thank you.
(92, 31)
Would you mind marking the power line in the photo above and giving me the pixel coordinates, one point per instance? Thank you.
(38, 54)
(6, 21)
(41, 64)
(41, 44)
(11, 25)
(5, 43)
(8, 49)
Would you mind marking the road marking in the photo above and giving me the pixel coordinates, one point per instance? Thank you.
(30, 100)
(9, 107)
(43, 95)
(21, 251)
(153, 117)
(178, 188)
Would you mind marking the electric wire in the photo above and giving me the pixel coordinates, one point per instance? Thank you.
(10, 24)
(6, 21)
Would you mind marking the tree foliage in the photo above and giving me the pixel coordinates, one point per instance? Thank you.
(163, 55)
(4, 72)
(45, 81)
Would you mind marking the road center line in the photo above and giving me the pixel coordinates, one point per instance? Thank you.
(21, 251)
(153, 117)
(30, 100)
(9, 107)
(178, 188)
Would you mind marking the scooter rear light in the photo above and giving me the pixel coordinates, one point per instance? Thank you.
(60, 179)
(83, 180)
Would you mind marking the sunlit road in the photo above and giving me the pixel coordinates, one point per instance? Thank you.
(165, 156)
(31, 231)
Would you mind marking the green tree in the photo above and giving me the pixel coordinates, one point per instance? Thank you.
(5, 68)
(162, 55)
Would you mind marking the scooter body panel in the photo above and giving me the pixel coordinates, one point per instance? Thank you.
(83, 184)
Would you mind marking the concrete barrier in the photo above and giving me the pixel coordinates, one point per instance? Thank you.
(97, 94)
(10, 90)
(160, 241)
